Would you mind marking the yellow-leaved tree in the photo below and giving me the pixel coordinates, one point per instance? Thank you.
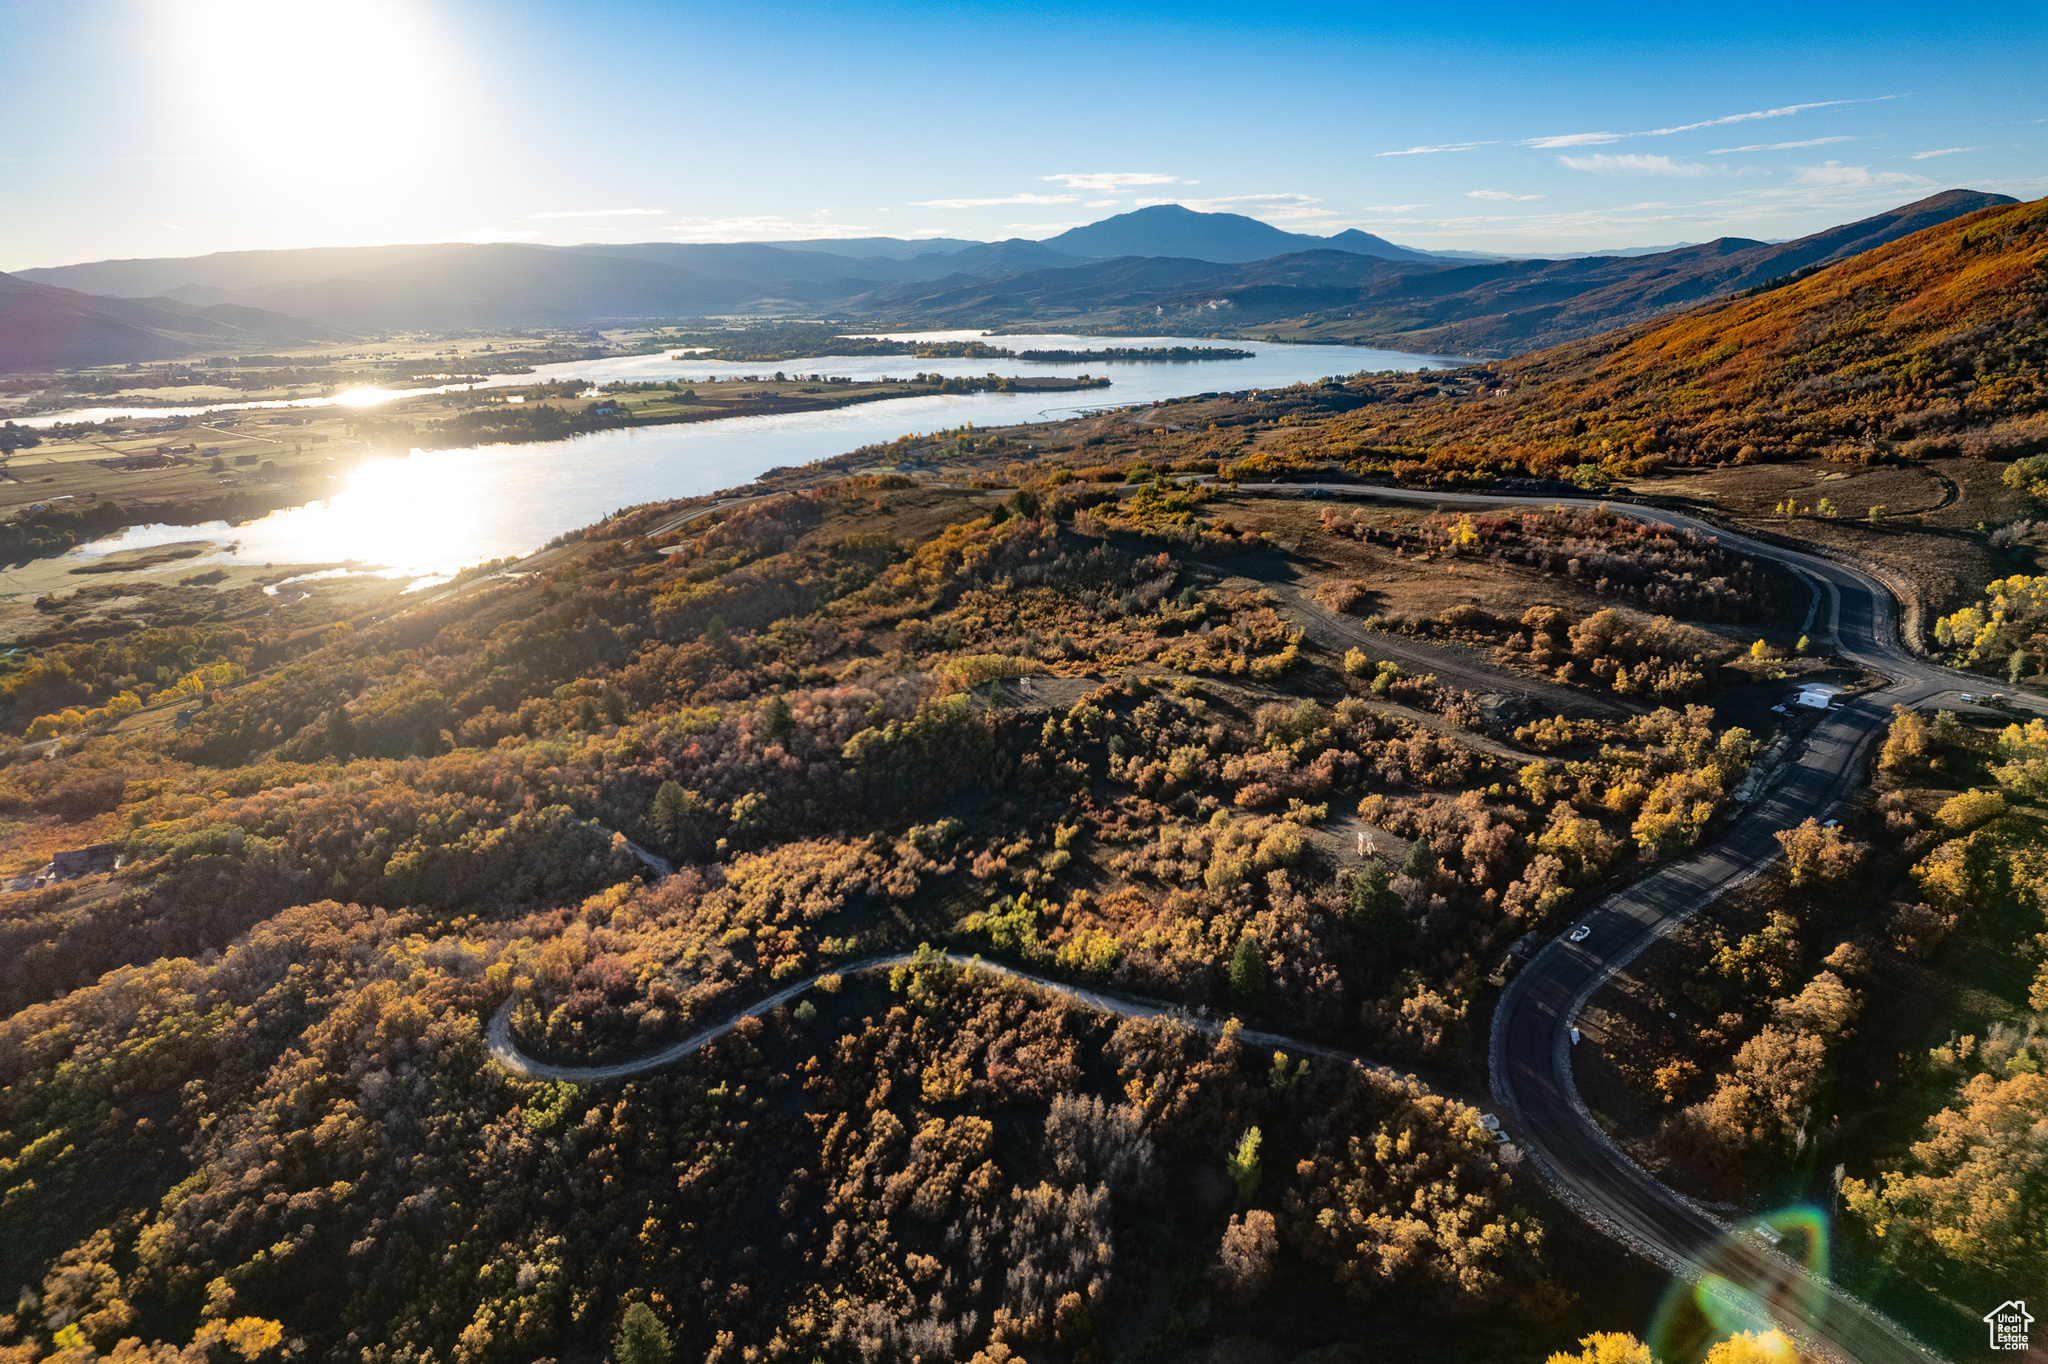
(1962, 1195)
(1676, 812)
(2025, 750)
(1905, 744)
(1754, 1347)
(1607, 1347)
(1816, 853)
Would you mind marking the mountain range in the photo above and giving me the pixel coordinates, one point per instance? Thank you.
(1491, 308)
(1925, 345)
(1159, 268)
(43, 327)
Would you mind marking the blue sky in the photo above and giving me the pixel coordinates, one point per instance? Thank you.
(178, 127)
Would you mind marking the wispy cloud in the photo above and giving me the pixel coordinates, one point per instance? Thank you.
(1393, 208)
(1830, 187)
(1286, 207)
(1631, 163)
(1007, 199)
(600, 213)
(1499, 194)
(1442, 147)
(1755, 114)
(1835, 175)
(484, 236)
(2029, 187)
(1945, 151)
(1552, 142)
(1100, 181)
(1101, 203)
(1779, 146)
(763, 228)
(1647, 221)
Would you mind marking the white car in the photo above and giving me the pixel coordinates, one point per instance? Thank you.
(1581, 933)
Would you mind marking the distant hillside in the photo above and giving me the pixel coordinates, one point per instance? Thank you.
(509, 285)
(46, 328)
(1160, 269)
(876, 248)
(1129, 291)
(230, 272)
(1226, 238)
(1930, 344)
(262, 277)
(1508, 307)
(453, 285)
(775, 267)
(1493, 308)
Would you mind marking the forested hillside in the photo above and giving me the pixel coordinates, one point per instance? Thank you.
(1331, 772)
(246, 1104)
(1932, 345)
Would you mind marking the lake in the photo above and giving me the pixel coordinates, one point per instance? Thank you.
(431, 513)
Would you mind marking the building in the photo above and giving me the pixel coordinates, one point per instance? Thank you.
(158, 458)
(83, 861)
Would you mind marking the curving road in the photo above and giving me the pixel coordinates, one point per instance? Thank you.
(1530, 1051)
(505, 1051)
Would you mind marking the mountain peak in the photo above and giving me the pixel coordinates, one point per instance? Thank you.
(1222, 238)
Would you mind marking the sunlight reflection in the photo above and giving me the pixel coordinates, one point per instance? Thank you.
(1694, 1315)
(434, 513)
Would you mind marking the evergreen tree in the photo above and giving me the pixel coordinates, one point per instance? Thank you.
(1243, 1163)
(1377, 914)
(341, 733)
(673, 814)
(642, 1338)
(1247, 973)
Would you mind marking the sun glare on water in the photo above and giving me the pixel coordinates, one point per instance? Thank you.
(423, 515)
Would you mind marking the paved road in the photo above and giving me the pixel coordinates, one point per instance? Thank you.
(1530, 1052)
(1530, 1056)
(722, 504)
(1454, 665)
(498, 1034)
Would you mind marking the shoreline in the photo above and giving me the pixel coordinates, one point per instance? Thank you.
(92, 505)
(817, 398)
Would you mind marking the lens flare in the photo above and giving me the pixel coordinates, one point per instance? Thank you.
(1750, 1284)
